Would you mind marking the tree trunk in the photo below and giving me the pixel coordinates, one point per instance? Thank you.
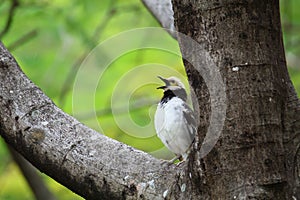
(256, 156)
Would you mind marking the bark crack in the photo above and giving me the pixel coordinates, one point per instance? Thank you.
(73, 146)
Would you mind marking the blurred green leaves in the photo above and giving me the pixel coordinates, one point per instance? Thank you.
(290, 18)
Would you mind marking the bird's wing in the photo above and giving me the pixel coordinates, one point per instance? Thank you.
(190, 120)
(159, 119)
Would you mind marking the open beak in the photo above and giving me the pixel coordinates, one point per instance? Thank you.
(165, 81)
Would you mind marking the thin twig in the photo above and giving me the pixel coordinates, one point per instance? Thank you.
(75, 67)
(111, 11)
(14, 5)
(140, 104)
(22, 40)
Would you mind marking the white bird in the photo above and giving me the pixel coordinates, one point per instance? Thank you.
(174, 120)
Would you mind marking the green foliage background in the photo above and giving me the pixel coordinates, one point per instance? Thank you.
(58, 34)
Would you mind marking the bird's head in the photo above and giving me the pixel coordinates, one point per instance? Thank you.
(172, 83)
(173, 86)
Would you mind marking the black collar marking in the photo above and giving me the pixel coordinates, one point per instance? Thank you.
(169, 94)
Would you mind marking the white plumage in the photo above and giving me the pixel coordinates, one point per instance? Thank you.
(174, 120)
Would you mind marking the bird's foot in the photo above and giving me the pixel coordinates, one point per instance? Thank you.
(174, 159)
(178, 157)
(180, 162)
(170, 162)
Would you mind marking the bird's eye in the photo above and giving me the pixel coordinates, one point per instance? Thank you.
(173, 83)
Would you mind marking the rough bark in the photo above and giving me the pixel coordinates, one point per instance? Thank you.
(90, 164)
(257, 155)
(163, 12)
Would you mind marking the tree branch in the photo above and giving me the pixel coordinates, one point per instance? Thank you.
(90, 164)
(163, 12)
(38, 187)
(110, 12)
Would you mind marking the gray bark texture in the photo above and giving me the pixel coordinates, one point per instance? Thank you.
(256, 157)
